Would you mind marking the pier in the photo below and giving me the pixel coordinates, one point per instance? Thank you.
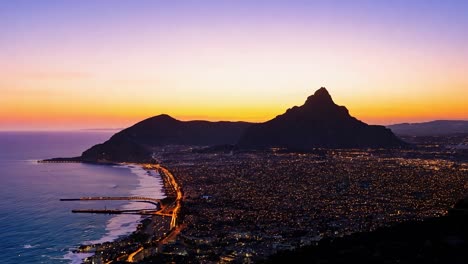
(115, 211)
(141, 199)
(59, 161)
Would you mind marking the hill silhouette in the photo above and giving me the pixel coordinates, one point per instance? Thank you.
(135, 142)
(319, 123)
(432, 128)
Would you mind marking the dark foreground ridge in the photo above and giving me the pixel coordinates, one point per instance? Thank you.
(319, 123)
(434, 240)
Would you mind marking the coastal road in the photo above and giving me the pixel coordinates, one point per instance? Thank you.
(132, 255)
(178, 191)
(175, 207)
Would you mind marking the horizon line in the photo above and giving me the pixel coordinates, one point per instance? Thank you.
(100, 129)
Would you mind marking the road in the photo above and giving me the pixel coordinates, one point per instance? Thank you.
(174, 207)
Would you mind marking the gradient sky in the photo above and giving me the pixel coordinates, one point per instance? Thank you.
(100, 64)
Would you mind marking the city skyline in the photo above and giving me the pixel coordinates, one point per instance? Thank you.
(74, 65)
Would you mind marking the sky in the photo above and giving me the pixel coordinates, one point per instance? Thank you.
(109, 64)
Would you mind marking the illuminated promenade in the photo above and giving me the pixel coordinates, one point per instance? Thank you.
(170, 209)
(179, 195)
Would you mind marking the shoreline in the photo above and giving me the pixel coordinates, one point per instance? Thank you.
(152, 232)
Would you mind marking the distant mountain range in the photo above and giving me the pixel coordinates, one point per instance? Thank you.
(319, 123)
(433, 128)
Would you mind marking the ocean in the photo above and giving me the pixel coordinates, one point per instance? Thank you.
(35, 227)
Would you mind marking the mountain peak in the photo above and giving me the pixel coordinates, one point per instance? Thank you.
(321, 91)
(164, 117)
(319, 123)
(320, 97)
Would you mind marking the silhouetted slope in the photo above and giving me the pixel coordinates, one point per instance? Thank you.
(433, 128)
(117, 149)
(164, 130)
(135, 142)
(436, 240)
(317, 123)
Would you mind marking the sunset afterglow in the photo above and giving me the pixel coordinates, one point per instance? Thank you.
(109, 64)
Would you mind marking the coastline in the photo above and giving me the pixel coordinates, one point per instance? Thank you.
(152, 232)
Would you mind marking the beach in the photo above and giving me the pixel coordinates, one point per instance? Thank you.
(151, 234)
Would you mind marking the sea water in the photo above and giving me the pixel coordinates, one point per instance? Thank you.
(35, 227)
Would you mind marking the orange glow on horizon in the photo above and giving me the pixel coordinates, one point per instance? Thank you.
(69, 116)
(242, 62)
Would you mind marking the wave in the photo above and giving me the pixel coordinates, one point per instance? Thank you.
(76, 258)
(29, 246)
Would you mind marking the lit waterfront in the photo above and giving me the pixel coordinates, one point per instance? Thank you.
(151, 236)
(247, 206)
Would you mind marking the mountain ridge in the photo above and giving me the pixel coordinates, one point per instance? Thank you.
(161, 130)
(318, 123)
